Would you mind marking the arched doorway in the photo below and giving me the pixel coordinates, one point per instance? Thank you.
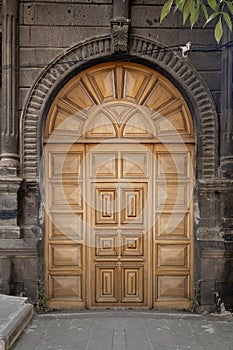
(119, 144)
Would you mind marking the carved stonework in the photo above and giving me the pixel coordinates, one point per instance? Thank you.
(9, 186)
(226, 143)
(179, 69)
(9, 117)
(120, 35)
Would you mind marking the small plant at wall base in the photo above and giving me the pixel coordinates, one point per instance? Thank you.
(220, 10)
(41, 299)
(197, 295)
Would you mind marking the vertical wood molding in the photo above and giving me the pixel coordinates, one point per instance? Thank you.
(226, 122)
(9, 122)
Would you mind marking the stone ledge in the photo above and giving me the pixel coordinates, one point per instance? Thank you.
(12, 232)
(15, 316)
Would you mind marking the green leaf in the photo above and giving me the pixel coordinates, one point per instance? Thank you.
(179, 5)
(218, 30)
(212, 4)
(187, 10)
(166, 9)
(211, 17)
(227, 20)
(194, 16)
(230, 6)
(204, 9)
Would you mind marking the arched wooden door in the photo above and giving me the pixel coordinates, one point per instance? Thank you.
(118, 151)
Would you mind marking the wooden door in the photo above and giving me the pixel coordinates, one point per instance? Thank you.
(120, 233)
(119, 143)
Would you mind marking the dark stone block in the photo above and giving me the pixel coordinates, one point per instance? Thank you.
(8, 214)
(207, 292)
(16, 288)
(225, 290)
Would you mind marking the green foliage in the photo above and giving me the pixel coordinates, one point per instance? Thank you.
(41, 299)
(220, 10)
(197, 294)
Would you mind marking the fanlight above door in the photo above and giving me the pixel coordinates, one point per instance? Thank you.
(119, 101)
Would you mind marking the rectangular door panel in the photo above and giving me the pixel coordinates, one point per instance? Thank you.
(105, 206)
(66, 287)
(106, 243)
(66, 256)
(132, 203)
(172, 226)
(66, 226)
(106, 283)
(132, 284)
(173, 256)
(173, 287)
(132, 243)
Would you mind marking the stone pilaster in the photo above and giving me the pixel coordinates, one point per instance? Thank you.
(9, 186)
(9, 118)
(226, 122)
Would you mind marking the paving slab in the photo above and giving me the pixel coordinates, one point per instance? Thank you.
(126, 330)
(15, 314)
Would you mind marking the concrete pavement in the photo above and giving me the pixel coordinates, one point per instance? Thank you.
(127, 330)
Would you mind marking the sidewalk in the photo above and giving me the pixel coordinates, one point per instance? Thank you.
(127, 330)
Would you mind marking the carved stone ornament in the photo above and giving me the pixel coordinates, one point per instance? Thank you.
(120, 34)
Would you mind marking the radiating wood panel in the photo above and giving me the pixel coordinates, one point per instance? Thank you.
(136, 102)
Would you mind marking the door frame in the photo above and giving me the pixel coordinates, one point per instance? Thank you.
(189, 140)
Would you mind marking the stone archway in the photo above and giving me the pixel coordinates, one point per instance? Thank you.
(186, 78)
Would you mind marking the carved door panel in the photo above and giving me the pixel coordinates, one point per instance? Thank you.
(119, 231)
(65, 214)
(173, 225)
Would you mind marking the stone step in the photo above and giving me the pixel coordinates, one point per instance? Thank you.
(15, 314)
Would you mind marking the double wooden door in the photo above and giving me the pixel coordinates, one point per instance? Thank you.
(118, 144)
(119, 225)
(120, 184)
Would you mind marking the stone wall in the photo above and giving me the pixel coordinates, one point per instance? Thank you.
(48, 28)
